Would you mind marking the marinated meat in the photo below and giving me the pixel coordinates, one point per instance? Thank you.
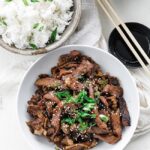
(73, 56)
(77, 105)
(48, 82)
(51, 96)
(111, 139)
(104, 101)
(73, 83)
(114, 81)
(125, 117)
(116, 91)
(77, 147)
(116, 123)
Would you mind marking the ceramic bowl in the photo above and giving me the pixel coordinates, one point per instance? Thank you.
(67, 33)
(108, 63)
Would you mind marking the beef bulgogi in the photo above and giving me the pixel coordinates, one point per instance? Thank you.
(77, 105)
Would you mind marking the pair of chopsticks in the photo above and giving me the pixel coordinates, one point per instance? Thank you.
(117, 22)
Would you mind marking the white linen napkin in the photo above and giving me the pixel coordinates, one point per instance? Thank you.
(143, 84)
(13, 67)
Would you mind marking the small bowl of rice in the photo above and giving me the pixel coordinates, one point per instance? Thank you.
(32, 27)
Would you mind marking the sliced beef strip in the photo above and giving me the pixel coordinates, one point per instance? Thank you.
(49, 109)
(55, 72)
(111, 139)
(66, 141)
(73, 83)
(125, 117)
(104, 101)
(79, 137)
(56, 114)
(82, 146)
(90, 144)
(113, 90)
(113, 102)
(35, 111)
(69, 109)
(65, 128)
(96, 66)
(85, 67)
(91, 91)
(114, 81)
(63, 70)
(43, 76)
(116, 123)
(57, 139)
(40, 92)
(77, 147)
(51, 96)
(69, 65)
(73, 56)
(50, 131)
(34, 99)
(55, 121)
(97, 130)
(37, 126)
(49, 82)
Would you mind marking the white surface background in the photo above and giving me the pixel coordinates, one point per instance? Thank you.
(14, 141)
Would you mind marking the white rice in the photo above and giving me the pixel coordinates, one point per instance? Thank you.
(33, 24)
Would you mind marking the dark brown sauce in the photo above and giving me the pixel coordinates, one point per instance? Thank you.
(119, 48)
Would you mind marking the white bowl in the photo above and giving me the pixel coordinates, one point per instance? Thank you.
(67, 33)
(108, 63)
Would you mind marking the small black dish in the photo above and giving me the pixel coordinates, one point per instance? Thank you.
(118, 47)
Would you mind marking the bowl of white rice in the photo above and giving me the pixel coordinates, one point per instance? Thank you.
(31, 27)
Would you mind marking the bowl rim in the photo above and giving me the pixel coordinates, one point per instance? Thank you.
(66, 34)
(76, 47)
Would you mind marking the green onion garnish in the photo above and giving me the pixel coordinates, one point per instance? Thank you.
(104, 118)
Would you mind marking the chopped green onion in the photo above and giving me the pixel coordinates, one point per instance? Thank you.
(90, 100)
(2, 21)
(53, 36)
(85, 115)
(92, 124)
(41, 28)
(64, 95)
(82, 114)
(88, 106)
(69, 121)
(25, 2)
(104, 118)
(33, 46)
(35, 25)
(81, 96)
(83, 126)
